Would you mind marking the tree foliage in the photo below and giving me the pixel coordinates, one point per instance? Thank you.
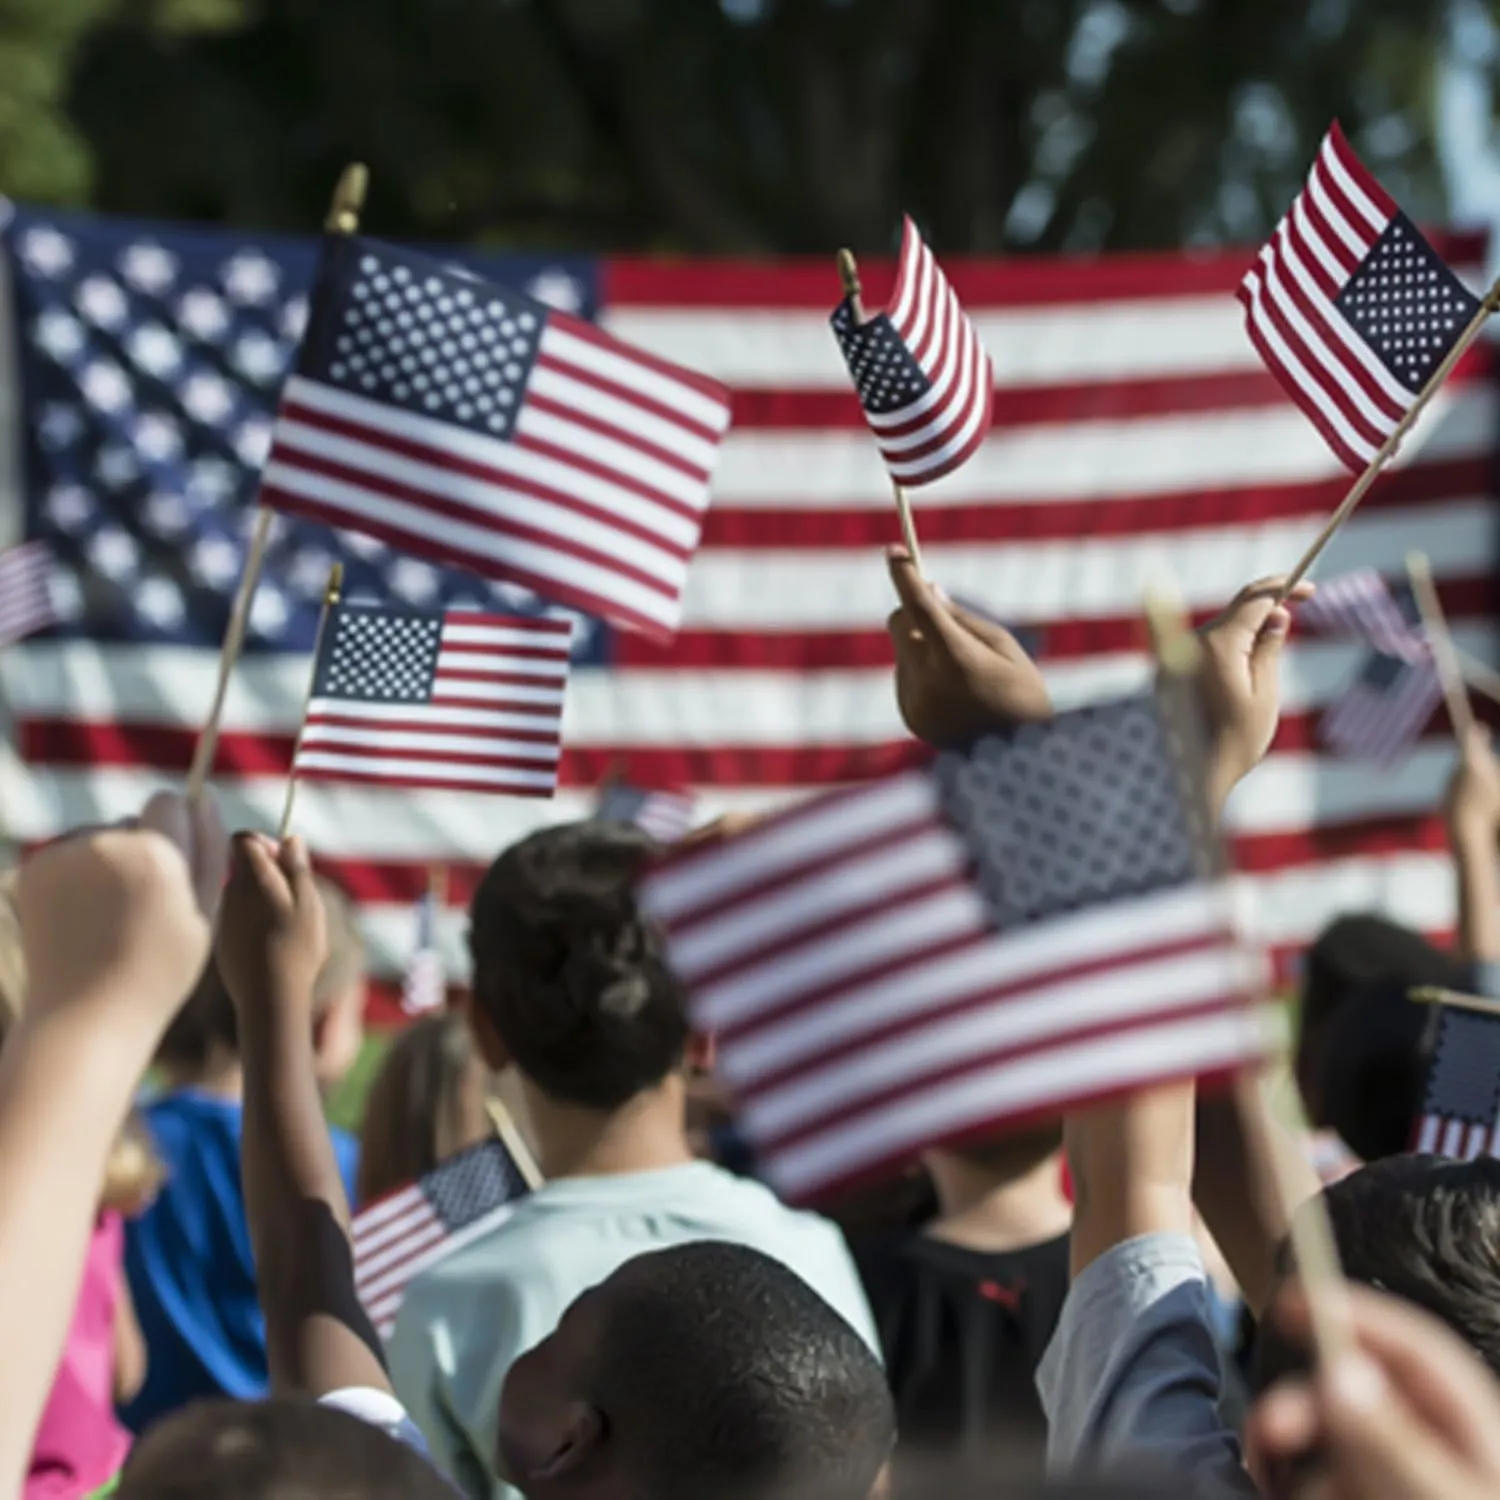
(726, 126)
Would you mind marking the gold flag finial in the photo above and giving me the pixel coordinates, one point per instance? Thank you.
(348, 200)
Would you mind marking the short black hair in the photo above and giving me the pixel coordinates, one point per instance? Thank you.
(282, 1449)
(568, 971)
(720, 1372)
(1421, 1228)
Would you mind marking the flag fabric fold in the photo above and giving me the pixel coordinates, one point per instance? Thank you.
(26, 604)
(475, 426)
(924, 379)
(1350, 307)
(988, 938)
(458, 701)
(399, 1236)
(1460, 1114)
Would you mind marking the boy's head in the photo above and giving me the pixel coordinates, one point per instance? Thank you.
(702, 1370)
(1421, 1228)
(570, 981)
(274, 1450)
(203, 1035)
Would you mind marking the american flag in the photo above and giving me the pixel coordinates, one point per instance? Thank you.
(399, 1236)
(961, 946)
(923, 378)
(1350, 306)
(1381, 715)
(1460, 1115)
(471, 424)
(425, 987)
(1135, 426)
(25, 591)
(664, 813)
(458, 701)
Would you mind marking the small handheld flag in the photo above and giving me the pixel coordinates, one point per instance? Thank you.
(663, 814)
(923, 378)
(473, 425)
(26, 604)
(984, 939)
(399, 1236)
(425, 986)
(459, 701)
(1460, 1115)
(1351, 308)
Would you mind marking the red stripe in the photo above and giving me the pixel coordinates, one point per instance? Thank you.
(810, 282)
(589, 333)
(539, 626)
(1328, 236)
(431, 782)
(1361, 174)
(297, 456)
(578, 417)
(330, 717)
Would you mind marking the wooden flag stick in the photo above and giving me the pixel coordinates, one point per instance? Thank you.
(229, 654)
(849, 276)
(514, 1142)
(330, 598)
(343, 218)
(1387, 450)
(1444, 657)
(1432, 994)
(1179, 653)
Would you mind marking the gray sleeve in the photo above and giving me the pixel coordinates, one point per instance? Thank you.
(1131, 1379)
(1487, 978)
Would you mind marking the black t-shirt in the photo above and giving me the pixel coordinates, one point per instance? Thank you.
(963, 1332)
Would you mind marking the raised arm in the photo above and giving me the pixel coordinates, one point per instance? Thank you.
(271, 944)
(1473, 835)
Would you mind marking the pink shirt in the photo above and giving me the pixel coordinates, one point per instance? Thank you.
(79, 1444)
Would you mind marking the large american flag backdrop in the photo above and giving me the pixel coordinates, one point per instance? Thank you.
(1134, 427)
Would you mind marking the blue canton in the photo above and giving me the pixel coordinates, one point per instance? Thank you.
(375, 655)
(885, 374)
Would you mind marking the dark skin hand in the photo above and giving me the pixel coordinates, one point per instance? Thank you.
(956, 674)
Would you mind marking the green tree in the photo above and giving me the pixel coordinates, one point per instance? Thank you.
(741, 126)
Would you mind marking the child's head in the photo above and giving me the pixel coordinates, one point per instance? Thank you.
(426, 1104)
(570, 981)
(1423, 1229)
(204, 1037)
(702, 1370)
(274, 1450)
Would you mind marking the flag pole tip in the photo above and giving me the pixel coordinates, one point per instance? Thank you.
(335, 582)
(848, 273)
(348, 199)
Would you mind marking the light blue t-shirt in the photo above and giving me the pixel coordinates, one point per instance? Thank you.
(189, 1263)
(470, 1316)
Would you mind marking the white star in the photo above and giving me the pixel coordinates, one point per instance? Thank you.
(158, 438)
(70, 506)
(160, 601)
(101, 301)
(308, 572)
(167, 512)
(66, 589)
(104, 385)
(60, 425)
(253, 441)
(361, 544)
(413, 579)
(203, 314)
(269, 611)
(155, 349)
(113, 551)
(293, 320)
(250, 278)
(47, 251)
(118, 465)
(59, 334)
(558, 289)
(258, 357)
(149, 268)
(213, 479)
(206, 397)
(215, 561)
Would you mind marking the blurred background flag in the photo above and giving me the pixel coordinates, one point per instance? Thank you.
(1364, 604)
(25, 591)
(923, 377)
(1350, 306)
(399, 1236)
(425, 986)
(455, 700)
(471, 424)
(978, 942)
(666, 814)
(1461, 1108)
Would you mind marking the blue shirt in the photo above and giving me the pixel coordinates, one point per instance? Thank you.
(189, 1263)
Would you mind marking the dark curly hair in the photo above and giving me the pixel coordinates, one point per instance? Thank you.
(569, 973)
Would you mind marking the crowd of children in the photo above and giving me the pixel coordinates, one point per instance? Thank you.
(177, 1295)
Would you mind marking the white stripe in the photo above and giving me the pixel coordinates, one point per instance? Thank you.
(623, 371)
(1452, 1141)
(1375, 221)
(1016, 1086)
(381, 1212)
(1149, 457)
(1427, 1135)
(434, 742)
(438, 715)
(1015, 959)
(377, 1272)
(432, 773)
(1314, 241)
(546, 637)
(553, 669)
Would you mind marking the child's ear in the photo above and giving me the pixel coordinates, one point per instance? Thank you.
(580, 1439)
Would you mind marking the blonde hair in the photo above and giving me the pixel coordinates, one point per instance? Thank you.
(133, 1172)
